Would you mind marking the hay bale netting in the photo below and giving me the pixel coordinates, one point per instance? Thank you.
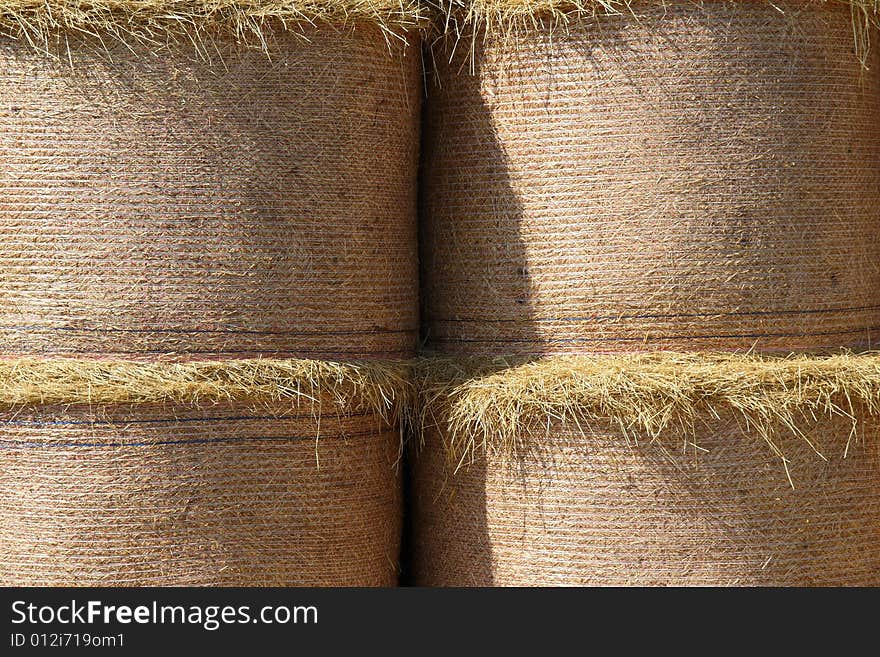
(255, 472)
(664, 470)
(697, 176)
(239, 190)
(161, 199)
(700, 176)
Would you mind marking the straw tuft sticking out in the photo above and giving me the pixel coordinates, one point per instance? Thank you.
(504, 407)
(224, 473)
(495, 15)
(382, 387)
(159, 20)
(466, 19)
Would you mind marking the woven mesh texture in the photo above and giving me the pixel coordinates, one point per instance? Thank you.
(155, 202)
(706, 176)
(227, 495)
(596, 509)
(162, 203)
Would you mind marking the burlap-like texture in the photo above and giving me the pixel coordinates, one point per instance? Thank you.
(224, 201)
(597, 509)
(194, 202)
(704, 176)
(226, 495)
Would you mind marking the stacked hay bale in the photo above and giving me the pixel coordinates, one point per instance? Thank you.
(208, 264)
(606, 185)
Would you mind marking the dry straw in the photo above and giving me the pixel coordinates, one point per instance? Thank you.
(240, 472)
(492, 405)
(505, 407)
(383, 387)
(501, 15)
(702, 178)
(158, 20)
(470, 18)
(707, 504)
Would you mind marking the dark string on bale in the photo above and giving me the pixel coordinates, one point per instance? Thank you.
(211, 496)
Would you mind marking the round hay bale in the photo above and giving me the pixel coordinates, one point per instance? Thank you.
(678, 175)
(226, 495)
(623, 472)
(223, 473)
(175, 199)
(597, 510)
(160, 200)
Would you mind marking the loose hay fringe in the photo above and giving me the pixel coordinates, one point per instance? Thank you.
(324, 387)
(158, 21)
(464, 20)
(495, 15)
(491, 405)
(505, 407)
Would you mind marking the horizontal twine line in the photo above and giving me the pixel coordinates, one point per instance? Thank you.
(11, 444)
(682, 337)
(251, 353)
(183, 420)
(589, 318)
(78, 329)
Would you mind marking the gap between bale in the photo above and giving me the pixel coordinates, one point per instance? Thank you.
(505, 407)
(490, 405)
